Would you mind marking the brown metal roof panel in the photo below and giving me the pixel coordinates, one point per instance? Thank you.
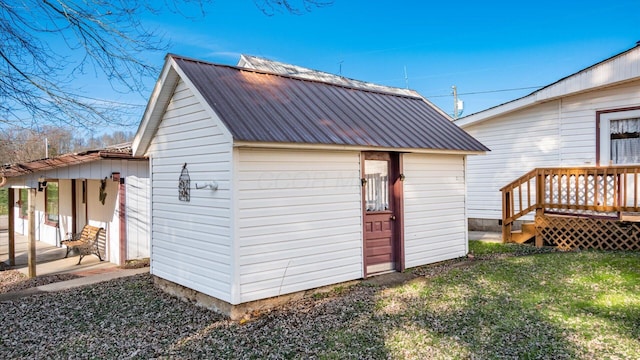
(339, 119)
(265, 107)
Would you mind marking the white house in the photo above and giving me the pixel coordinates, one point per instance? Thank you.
(106, 188)
(265, 184)
(590, 118)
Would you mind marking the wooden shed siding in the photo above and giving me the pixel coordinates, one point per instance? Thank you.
(569, 126)
(191, 241)
(299, 220)
(434, 208)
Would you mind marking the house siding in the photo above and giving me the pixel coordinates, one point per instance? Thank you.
(300, 220)
(136, 205)
(45, 233)
(519, 142)
(434, 208)
(561, 132)
(191, 241)
(105, 216)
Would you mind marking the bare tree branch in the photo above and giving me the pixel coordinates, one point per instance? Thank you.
(47, 45)
(296, 7)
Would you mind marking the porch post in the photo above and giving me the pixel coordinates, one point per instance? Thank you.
(31, 254)
(122, 195)
(12, 227)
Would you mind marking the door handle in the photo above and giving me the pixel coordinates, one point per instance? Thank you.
(393, 217)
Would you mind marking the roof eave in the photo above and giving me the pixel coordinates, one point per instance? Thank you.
(596, 76)
(160, 97)
(490, 113)
(335, 147)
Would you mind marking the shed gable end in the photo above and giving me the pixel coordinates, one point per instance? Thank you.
(191, 241)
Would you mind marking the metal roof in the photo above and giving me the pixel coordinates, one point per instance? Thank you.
(259, 63)
(120, 151)
(258, 106)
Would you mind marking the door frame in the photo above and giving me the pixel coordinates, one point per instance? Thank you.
(396, 203)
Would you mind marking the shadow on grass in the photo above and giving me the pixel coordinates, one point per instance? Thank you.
(541, 306)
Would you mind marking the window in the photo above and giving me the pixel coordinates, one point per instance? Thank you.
(377, 185)
(51, 203)
(625, 141)
(24, 203)
(618, 137)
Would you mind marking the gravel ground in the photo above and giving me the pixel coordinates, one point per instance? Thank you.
(13, 280)
(130, 318)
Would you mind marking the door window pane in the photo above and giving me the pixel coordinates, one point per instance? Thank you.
(377, 185)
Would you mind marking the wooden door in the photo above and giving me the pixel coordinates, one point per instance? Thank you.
(380, 213)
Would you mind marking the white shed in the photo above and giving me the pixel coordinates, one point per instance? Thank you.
(590, 118)
(106, 188)
(265, 184)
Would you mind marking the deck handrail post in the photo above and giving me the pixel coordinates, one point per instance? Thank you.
(538, 240)
(539, 188)
(506, 214)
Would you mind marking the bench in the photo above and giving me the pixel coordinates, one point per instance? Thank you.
(86, 242)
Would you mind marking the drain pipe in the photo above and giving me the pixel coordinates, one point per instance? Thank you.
(3, 180)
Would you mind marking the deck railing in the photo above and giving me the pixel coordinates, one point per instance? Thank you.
(582, 191)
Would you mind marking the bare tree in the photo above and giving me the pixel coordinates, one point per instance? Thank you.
(271, 7)
(21, 145)
(48, 44)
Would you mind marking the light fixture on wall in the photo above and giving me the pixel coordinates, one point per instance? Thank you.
(212, 185)
(42, 184)
(402, 177)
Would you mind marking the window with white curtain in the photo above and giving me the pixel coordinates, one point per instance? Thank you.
(377, 185)
(625, 141)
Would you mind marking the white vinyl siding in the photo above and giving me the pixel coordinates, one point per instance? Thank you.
(45, 233)
(434, 208)
(191, 241)
(107, 215)
(556, 133)
(137, 208)
(299, 220)
(518, 142)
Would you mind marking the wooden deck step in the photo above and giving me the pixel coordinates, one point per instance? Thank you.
(630, 216)
(527, 233)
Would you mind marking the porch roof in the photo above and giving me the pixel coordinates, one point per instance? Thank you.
(120, 151)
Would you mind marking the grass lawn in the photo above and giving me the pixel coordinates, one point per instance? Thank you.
(548, 305)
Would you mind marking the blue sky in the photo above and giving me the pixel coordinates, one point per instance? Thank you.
(484, 48)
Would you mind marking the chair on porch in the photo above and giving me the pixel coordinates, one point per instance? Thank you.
(88, 242)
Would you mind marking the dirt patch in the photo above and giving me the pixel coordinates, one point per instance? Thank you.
(136, 264)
